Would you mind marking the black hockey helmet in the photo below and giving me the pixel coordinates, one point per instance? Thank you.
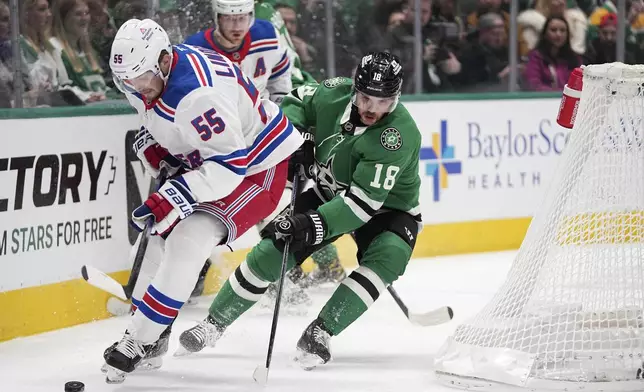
(379, 74)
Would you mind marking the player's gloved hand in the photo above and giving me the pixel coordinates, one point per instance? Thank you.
(153, 156)
(171, 203)
(303, 230)
(304, 157)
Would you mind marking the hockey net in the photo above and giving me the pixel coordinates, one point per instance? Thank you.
(569, 314)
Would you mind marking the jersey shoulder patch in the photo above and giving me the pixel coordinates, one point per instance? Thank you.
(261, 30)
(391, 139)
(334, 82)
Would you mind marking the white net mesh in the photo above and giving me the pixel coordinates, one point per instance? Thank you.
(569, 315)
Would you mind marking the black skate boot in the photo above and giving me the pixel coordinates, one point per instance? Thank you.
(153, 358)
(195, 339)
(314, 347)
(199, 287)
(124, 358)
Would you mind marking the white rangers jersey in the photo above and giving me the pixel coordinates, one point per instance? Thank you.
(261, 56)
(211, 116)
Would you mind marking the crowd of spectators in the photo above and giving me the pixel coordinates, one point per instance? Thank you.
(65, 44)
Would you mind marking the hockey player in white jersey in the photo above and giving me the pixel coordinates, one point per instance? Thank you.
(233, 147)
(252, 44)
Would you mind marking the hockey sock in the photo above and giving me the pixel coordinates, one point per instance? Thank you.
(382, 263)
(351, 299)
(326, 255)
(186, 248)
(248, 283)
(240, 292)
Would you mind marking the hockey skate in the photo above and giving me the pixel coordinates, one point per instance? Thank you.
(314, 346)
(199, 287)
(295, 300)
(331, 273)
(124, 358)
(154, 356)
(195, 339)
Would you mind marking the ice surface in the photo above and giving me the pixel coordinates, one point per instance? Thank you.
(380, 352)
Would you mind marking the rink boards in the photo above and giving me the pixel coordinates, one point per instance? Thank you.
(70, 181)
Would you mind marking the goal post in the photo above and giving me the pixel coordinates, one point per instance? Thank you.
(569, 315)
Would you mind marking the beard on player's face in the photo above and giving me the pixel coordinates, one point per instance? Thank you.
(370, 118)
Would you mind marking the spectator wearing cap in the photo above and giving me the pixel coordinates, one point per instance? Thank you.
(603, 48)
(484, 63)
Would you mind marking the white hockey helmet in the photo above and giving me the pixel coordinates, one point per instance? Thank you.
(136, 49)
(234, 7)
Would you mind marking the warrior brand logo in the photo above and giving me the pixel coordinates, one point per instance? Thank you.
(55, 177)
(441, 160)
(284, 224)
(318, 227)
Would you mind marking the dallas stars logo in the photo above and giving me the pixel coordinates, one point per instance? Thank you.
(390, 139)
(326, 178)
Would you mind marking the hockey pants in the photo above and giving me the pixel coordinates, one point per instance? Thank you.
(385, 245)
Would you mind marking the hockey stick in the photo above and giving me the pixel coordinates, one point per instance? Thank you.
(101, 280)
(260, 375)
(433, 317)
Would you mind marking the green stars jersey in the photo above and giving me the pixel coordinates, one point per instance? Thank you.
(266, 11)
(361, 170)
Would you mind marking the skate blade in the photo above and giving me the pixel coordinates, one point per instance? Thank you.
(150, 364)
(182, 352)
(307, 361)
(114, 375)
(146, 364)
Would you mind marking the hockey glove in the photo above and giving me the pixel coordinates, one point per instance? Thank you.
(303, 230)
(304, 157)
(171, 203)
(153, 156)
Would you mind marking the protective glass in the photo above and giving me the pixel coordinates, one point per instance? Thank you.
(368, 103)
(135, 85)
(235, 22)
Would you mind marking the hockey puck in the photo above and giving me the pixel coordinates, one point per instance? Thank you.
(74, 386)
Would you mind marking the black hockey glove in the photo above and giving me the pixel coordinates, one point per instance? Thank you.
(304, 157)
(307, 229)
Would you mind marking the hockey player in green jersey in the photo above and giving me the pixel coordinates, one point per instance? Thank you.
(366, 149)
(326, 259)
